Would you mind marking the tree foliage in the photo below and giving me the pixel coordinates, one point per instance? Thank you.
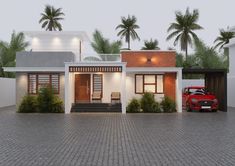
(151, 45)
(223, 38)
(203, 57)
(183, 29)
(51, 18)
(208, 57)
(8, 51)
(128, 28)
(103, 47)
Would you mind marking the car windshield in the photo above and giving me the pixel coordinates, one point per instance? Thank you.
(197, 91)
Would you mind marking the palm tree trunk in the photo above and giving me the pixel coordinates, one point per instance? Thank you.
(186, 53)
(129, 44)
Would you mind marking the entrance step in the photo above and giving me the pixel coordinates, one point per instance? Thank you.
(96, 107)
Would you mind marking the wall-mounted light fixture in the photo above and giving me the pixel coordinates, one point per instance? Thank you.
(149, 60)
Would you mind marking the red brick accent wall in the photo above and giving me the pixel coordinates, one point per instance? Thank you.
(158, 58)
(169, 85)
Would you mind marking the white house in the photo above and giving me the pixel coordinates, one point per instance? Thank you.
(57, 59)
(231, 74)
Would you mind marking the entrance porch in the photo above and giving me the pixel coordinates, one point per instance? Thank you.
(93, 87)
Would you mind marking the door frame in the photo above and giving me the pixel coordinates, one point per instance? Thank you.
(89, 100)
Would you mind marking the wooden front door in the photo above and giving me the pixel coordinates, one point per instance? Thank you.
(82, 88)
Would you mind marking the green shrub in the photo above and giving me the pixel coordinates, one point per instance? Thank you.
(45, 99)
(29, 104)
(156, 107)
(168, 105)
(48, 102)
(134, 106)
(57, 105)
(147, 102)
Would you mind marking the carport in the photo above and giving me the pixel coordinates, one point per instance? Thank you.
(215, 82)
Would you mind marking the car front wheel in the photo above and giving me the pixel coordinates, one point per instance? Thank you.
(188, 109)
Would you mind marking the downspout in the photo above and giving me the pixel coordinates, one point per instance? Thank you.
(80, 50)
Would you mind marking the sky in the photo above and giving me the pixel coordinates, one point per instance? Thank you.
(153, 17)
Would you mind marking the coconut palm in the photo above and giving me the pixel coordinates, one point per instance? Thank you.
(224, 38)
(51, 17)
(8, 51)
(208, 57)
(151, 45)
(106, 50)
(127, 29)
(183, 29)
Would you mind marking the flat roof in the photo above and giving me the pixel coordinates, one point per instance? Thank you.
(79, 34)
(34, 69)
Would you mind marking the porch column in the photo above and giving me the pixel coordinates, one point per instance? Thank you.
(66, 89)
(123, 89)
(179, 91)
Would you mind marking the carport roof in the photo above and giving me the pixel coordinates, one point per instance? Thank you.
(202, 71)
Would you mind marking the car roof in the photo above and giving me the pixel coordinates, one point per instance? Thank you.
(195, 87)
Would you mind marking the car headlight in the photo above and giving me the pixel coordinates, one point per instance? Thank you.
(194, 100)
(215, 101)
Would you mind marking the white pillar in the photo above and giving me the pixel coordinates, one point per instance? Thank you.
(123, 89)
(179, 91)
(67, 91)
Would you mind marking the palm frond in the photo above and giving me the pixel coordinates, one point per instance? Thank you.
(128, 28)
(51, 17)
(183, 27)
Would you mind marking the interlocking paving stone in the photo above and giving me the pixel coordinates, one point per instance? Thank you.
(113, 139)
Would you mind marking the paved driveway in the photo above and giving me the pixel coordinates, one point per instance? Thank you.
(116, 139)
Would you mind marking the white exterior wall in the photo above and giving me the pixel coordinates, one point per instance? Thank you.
(7, 92)
(21, 86)
(231, 61)
(61, 95)
(193, 82)
(69, 91)
(231, 77)
(111, 83)
(231, 91)
(56, 43)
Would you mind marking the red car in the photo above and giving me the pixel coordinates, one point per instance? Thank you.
(196, 98)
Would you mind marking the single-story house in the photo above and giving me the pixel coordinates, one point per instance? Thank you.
(57, 59)
(231, 74)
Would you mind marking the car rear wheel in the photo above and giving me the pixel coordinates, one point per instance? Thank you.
(214, 110)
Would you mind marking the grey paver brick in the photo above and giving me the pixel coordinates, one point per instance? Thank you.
(115, 139)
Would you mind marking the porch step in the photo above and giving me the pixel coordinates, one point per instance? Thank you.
(96, 107)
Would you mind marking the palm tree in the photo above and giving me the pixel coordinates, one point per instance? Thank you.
(8, 51)
(127, 29)
(182, 29)
(208, 57)
(224, 38)
(51, 17)
(106, 50)
(151, 45)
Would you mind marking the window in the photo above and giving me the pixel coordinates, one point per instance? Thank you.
(148, 83)
(98, 83)
(37, 81)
